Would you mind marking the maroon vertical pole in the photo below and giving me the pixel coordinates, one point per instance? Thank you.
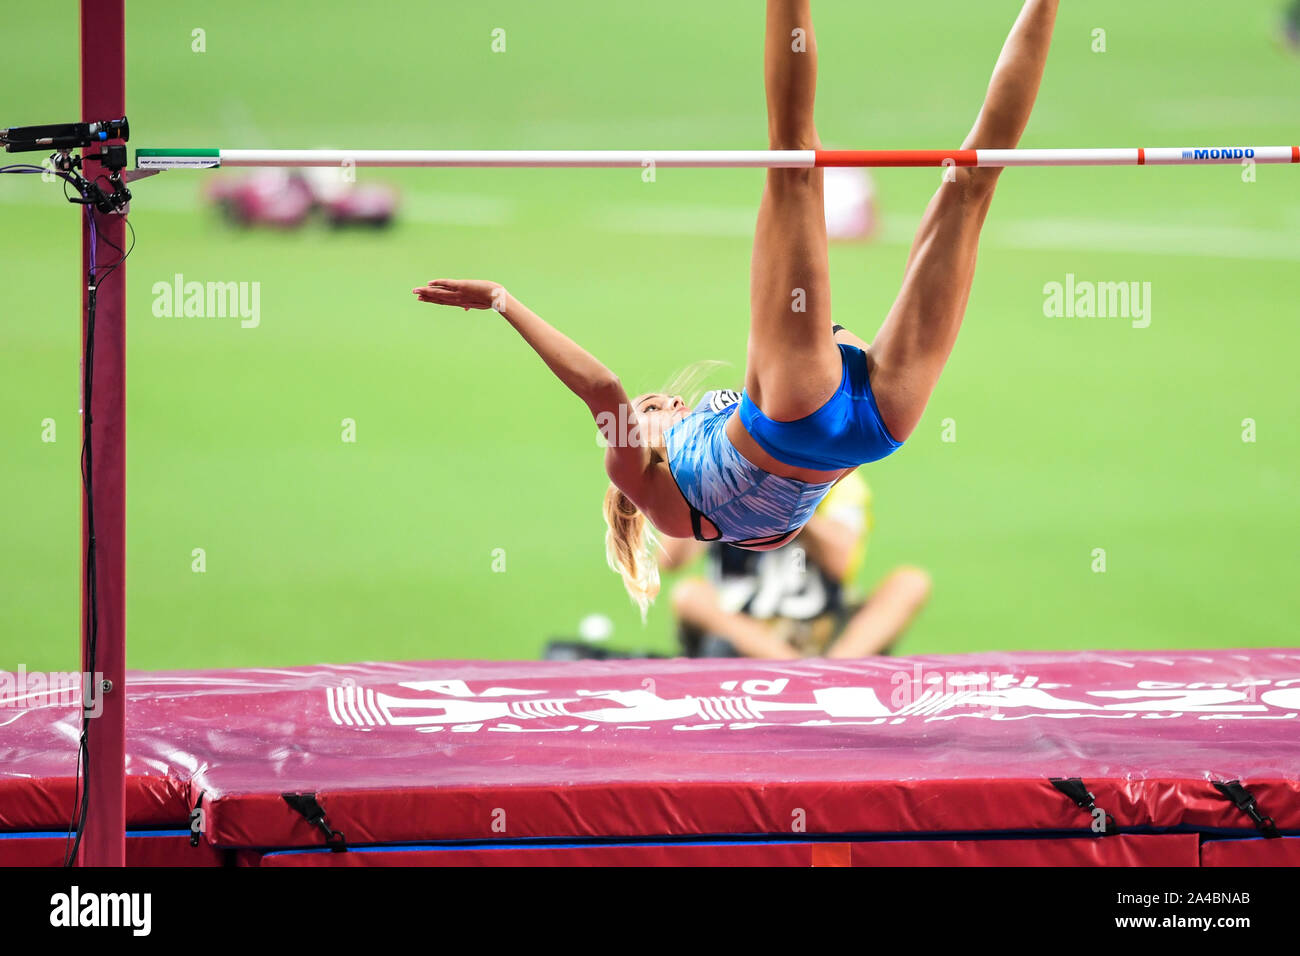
(103, 96)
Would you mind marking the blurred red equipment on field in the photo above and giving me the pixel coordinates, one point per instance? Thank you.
(286, 199)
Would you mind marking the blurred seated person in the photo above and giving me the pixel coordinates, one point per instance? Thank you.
(796, 601)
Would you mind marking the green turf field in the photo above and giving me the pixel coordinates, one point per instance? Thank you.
(1072, 434)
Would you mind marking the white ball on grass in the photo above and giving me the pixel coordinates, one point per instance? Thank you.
(595, 627)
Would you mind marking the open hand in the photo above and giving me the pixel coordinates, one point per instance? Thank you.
(466, 293)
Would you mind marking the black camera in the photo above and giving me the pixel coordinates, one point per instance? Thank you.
(29, 139)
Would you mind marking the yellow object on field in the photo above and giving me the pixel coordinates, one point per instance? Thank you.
(849, 503)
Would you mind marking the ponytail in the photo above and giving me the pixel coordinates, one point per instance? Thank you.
(629, 548)
(629, 541)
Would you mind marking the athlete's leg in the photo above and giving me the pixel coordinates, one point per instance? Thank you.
(793, 366)
(916, 338)
(696, 602)
(881, 622)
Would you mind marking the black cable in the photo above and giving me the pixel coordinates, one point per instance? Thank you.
(94, 278)
(92, 589)
(81, 796)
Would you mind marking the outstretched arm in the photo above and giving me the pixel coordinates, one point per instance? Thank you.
(585, 376)
(573, 365)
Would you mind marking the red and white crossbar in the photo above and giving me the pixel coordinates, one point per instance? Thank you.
(724, 158)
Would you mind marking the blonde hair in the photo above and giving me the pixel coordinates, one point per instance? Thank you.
(630, 542)
(630, 548)
(689, 380)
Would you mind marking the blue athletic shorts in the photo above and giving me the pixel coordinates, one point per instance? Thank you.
(744, 502)
(845, 432)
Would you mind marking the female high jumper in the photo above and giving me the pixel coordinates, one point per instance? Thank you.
(818, 401)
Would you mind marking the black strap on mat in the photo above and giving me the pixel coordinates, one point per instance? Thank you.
(1074, 788)
(1244, 801)
(306, 805)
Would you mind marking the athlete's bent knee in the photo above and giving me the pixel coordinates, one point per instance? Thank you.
(689, 596)
(912, 581)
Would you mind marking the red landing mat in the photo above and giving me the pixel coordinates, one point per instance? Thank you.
(1252, 852)
(514, 751)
